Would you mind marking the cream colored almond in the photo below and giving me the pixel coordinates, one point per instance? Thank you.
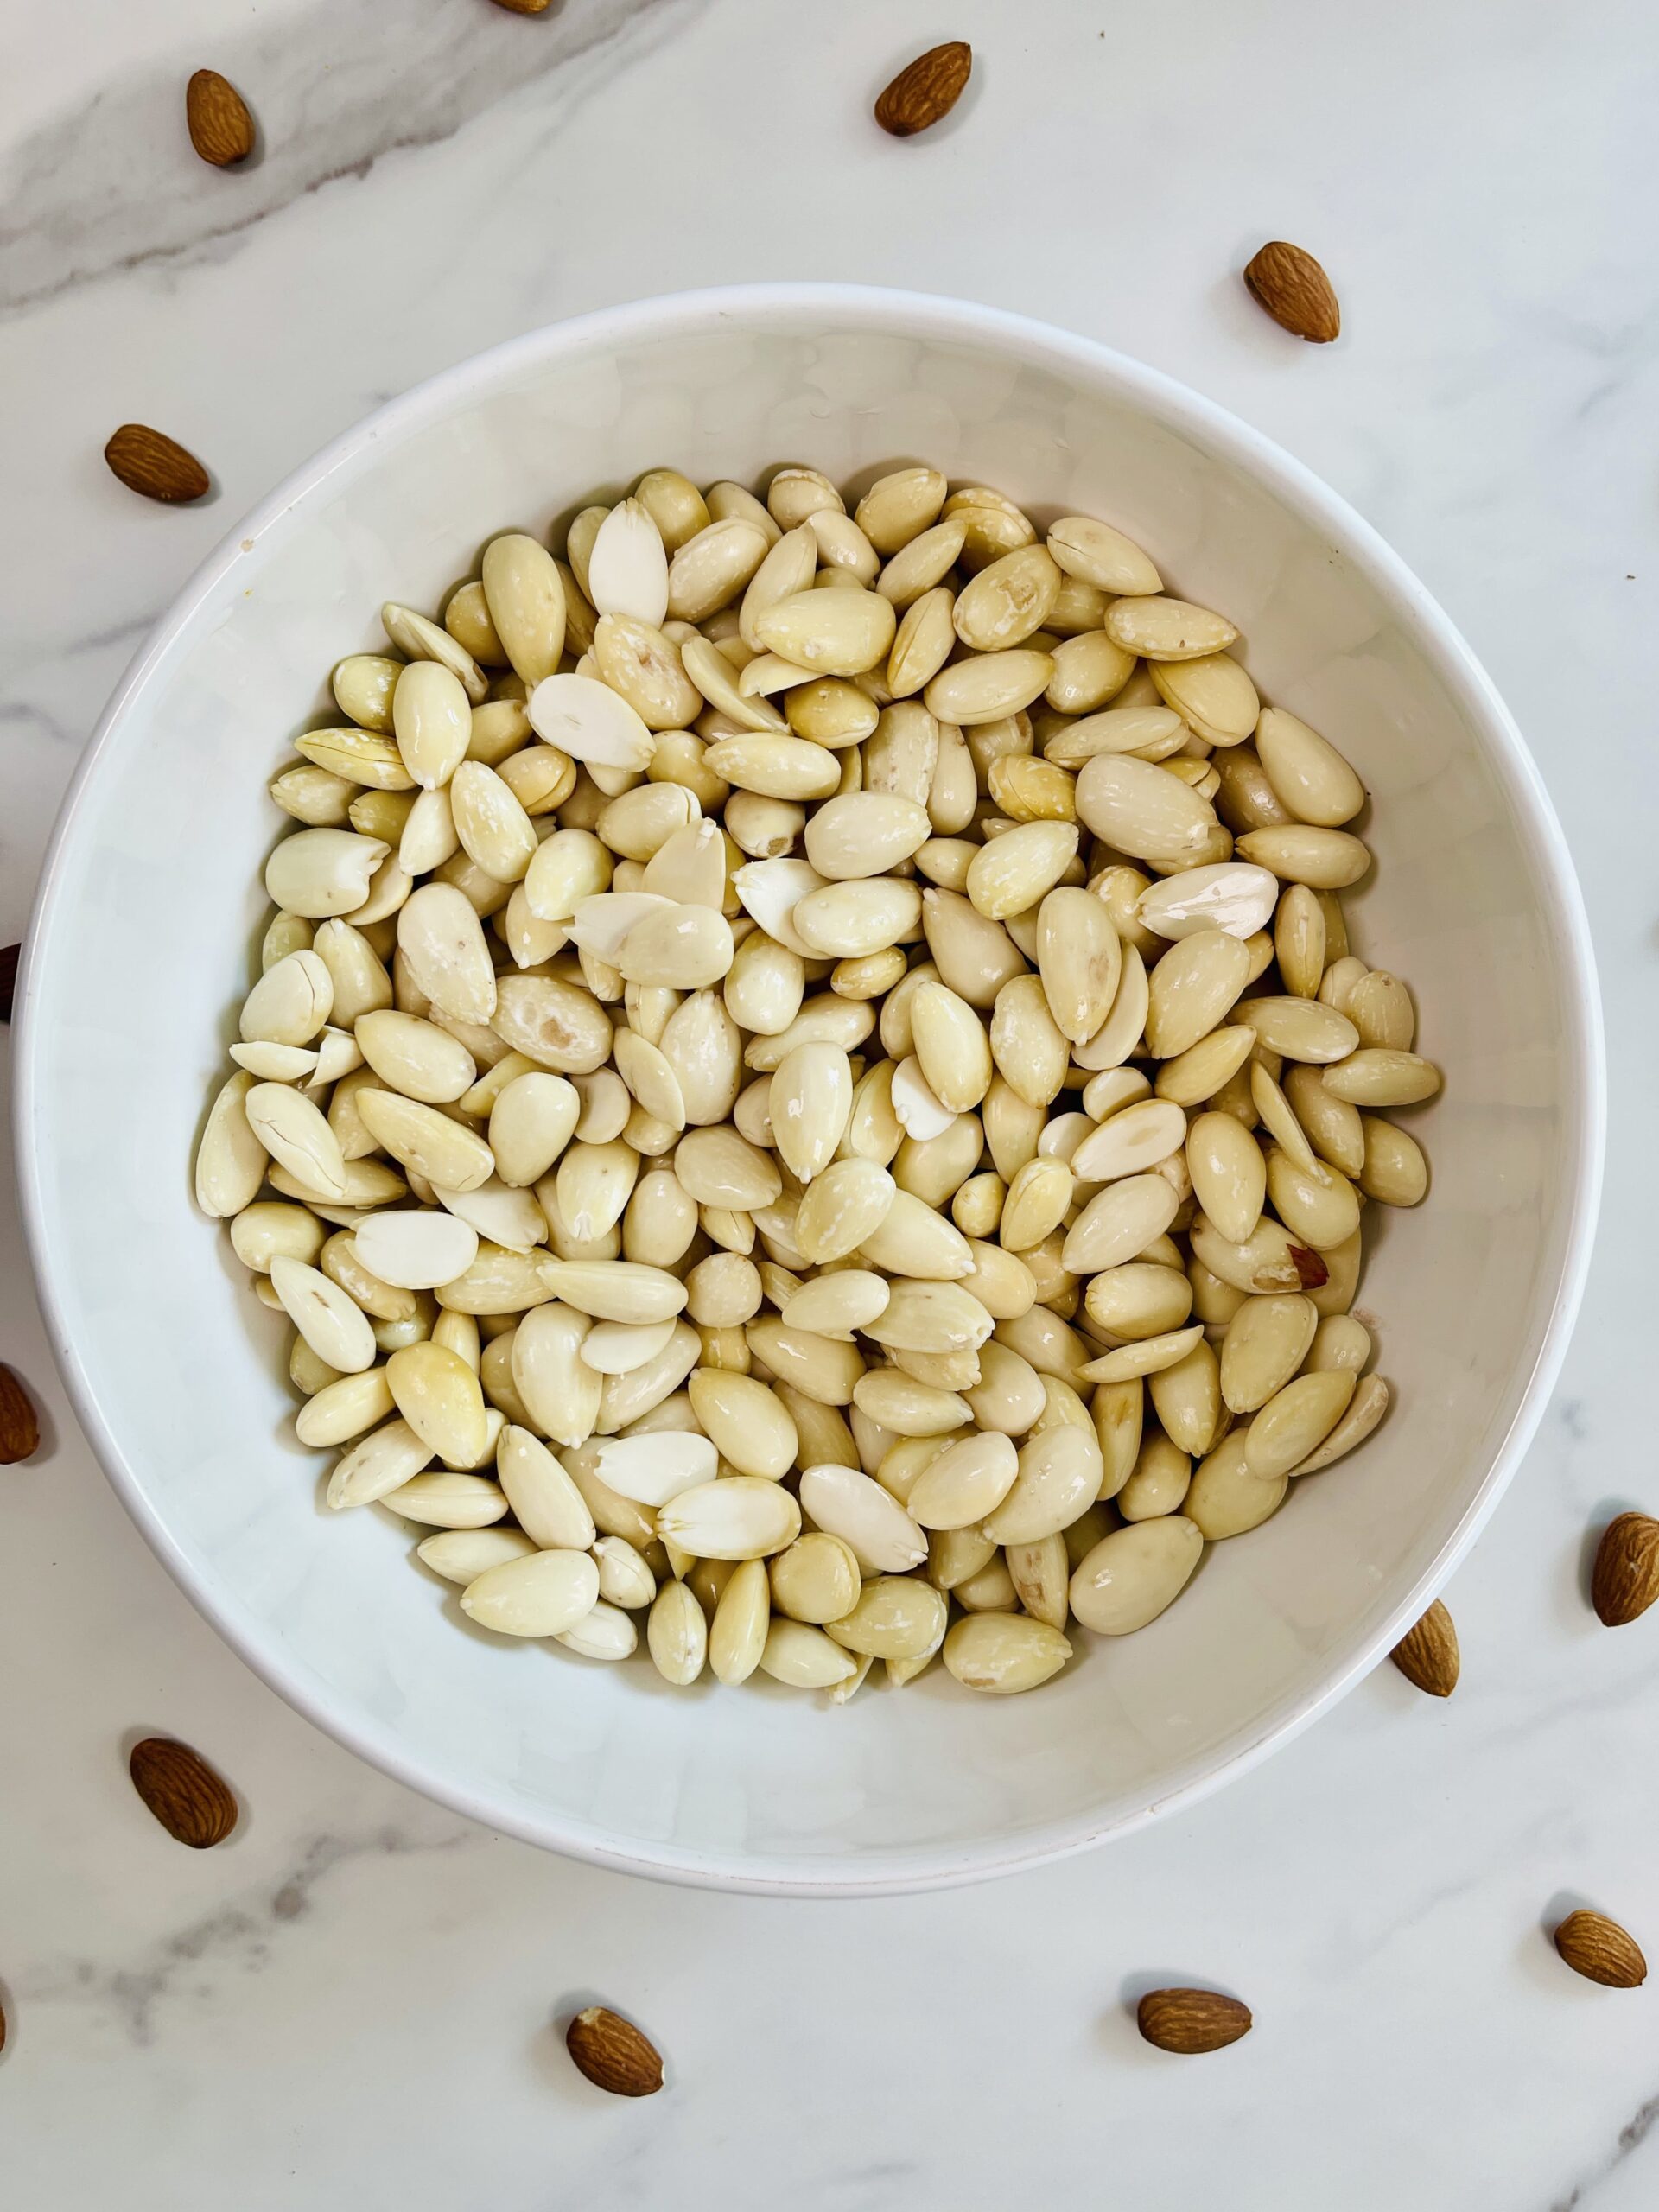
(1118, 1223)
(1228, 1174)
(1130, 1576)
(441, 942)
(1365, 1410)
(985, 687)
(1015, 871)
(737, 1635)
(883, 1537)
(738, 1517)
(422, 640)
(379, 1465)
(1004, 1653)
(1167, 629)
(585, 719)
(924, 562)
(447, 1500)
(230, 1159)
(849, 920)
(334, 1326)
(545, 1594)
(830, 634)
(545, 1501)
(1102, 557)
(1213, 694)
(462, 1555)
(1319, 1207)
(1305, 771)
(1300, 1029)
(1195, 984)
(1131, 1142)
(1140, 807)
(1230, 895)
(1296, 1420)
(321, 872)
(525, 594)
(1326, 860)
(1376, 1076)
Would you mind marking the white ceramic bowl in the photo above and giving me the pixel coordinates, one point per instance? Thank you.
(151, 900)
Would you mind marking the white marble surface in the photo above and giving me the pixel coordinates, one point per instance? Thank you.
(354, 2000)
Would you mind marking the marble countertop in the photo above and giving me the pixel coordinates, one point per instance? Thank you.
(354, 2000)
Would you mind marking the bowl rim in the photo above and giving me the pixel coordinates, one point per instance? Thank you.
(1434, 634)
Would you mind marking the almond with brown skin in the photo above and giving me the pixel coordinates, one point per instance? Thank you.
(1625, 1578)
(613, 2054)
(191, 1802)
(523, 7)
(20, 1425)
(1601, 1950)
(10, 956)
(1311, 1270)
(1188, 2020)
(150, 462)
(1427, 1654)
(221, 129)
(1295, 291)
(925, 89)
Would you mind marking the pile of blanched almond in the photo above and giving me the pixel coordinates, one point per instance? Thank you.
(810, 1086)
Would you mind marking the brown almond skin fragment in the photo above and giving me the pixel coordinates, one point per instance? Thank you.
(20, 1425)
(216, 115)
(1428, 1653)
(193, 1803)
(1311, 1270)
(1192, 2020)
(1625, 1578)
(925, 89)
(149, 462)
(1601, 1950)
(613, 2054)
(10, 956)
(1295, 291)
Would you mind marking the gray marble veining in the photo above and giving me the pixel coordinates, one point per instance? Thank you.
(79, 206)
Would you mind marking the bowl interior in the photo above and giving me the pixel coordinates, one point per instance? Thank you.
(142, 957)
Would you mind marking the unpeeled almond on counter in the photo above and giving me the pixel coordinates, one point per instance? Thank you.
(613, 2054)
(194, 1805)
